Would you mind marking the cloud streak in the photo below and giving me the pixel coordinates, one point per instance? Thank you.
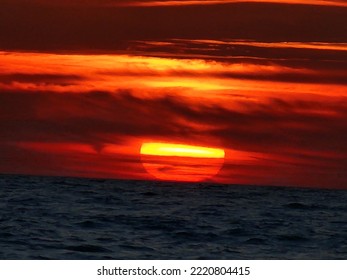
(154, 3)
(214, 2)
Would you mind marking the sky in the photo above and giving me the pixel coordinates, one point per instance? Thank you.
(84, 83)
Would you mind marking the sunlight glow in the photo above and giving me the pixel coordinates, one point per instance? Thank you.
(166, 149)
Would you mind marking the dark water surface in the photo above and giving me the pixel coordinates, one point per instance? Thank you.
(69, 218)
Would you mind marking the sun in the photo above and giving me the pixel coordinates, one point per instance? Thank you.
(181, 162)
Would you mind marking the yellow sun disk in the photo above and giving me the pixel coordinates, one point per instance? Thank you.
(166, 149)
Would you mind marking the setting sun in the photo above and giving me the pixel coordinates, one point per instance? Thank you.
(179, 162)
(166, 149)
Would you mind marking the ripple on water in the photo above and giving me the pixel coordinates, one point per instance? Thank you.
(67, 218)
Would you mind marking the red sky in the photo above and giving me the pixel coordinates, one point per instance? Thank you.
(84, 83)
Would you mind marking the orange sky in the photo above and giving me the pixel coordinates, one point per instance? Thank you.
(75, 101)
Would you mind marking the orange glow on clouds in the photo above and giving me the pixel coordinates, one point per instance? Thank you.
(294, 45)
(210, 80)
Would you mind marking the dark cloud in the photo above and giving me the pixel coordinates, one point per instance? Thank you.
(275, 124)
(283, 76)
(233, 50)
(40, 27)
(47, 79)
(23, 160)
(99, 117)
(94, 117)
(281, 125)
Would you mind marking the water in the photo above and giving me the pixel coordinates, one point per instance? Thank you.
(69, 218)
